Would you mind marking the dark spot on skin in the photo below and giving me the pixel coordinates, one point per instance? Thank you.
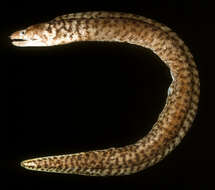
(45, 164)
(137, 157)
(79, 157)
(49, 29)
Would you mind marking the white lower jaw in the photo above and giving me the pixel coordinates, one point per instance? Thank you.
(28, 43)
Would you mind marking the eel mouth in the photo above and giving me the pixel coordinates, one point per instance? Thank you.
(20, 41)
(17, 40)
(23, 42)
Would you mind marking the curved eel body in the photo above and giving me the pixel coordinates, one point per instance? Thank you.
(181, 104)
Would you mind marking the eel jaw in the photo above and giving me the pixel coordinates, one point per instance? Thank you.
(22, 41)
(27, 43)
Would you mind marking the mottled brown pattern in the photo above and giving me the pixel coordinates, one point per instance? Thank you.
(181, 104)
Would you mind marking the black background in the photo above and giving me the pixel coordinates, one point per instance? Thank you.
(87, 96)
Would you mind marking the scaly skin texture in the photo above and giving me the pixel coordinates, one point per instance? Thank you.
(181, 104)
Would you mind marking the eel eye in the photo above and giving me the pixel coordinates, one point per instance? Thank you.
(22, 33)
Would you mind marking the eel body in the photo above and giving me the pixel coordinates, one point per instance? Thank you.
(177, 115)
